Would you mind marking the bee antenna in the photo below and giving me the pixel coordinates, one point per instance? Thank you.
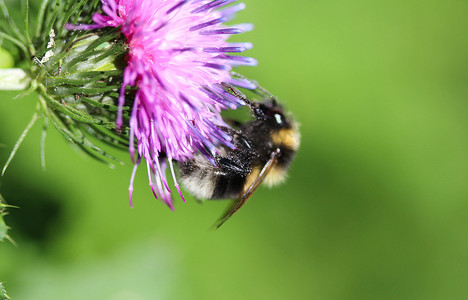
(254, 107)
(264, 93)
(259, 90)
(239, 95)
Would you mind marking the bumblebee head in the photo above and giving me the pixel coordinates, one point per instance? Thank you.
(269, 112)
(272, 113)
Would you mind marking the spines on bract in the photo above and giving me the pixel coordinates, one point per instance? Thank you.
(76, 74)
(3, 293)
(78, 87)
(3, 226)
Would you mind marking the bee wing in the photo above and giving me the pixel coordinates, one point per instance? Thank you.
(239, 202)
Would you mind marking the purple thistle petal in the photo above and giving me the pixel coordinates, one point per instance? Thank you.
(163, 178)
(176, 6)
(165, 193)
(133, 126)
(217, 66)
(232, 10)
(224, 49)
(150, 179)
(212, 5)
(224, 97)
(230, 97)
(244, 83)
(207, 145)
(132, 178)
(222, 135)
(247, 46)
(240, 60)
(222, 31)
(175, 179)
(209, 23)
(239, 28)
(188, 102)
(110, 11)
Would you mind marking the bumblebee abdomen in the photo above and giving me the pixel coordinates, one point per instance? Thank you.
(197, 179)
(207, 181)
(228, 186)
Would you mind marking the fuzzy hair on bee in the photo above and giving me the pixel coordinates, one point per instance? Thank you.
(264, 148)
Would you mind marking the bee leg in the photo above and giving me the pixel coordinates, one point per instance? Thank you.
(238, 203)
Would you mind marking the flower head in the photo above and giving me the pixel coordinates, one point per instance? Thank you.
(178, 57)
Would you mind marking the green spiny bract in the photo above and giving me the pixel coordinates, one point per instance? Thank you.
(76, 74)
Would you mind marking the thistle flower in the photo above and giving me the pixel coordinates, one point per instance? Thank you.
(177, 60)
(144, 73)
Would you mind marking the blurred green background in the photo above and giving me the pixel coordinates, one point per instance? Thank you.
(375, 206)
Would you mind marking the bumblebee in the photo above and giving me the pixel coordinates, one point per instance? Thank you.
(264, 147)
